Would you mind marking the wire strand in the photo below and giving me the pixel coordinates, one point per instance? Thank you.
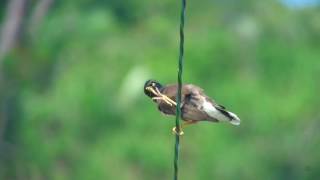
(180, 70)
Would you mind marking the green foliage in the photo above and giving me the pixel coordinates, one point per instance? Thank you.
(83, 114)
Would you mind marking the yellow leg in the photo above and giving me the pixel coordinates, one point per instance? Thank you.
(161, 96)
(184, 124)
(168, 100)
(165, 98)
(153, 91)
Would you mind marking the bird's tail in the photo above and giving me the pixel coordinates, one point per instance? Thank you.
(233, 118)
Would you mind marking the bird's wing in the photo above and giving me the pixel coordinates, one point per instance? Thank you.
(216, 105)
(190, 88)
(170, 91)
(197, 93)
(219, 110)
(193, 99)
(187, 90)
(206, 108)
(196, 105)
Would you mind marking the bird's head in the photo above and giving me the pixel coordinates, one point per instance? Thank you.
(151, 87)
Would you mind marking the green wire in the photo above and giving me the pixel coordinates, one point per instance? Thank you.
(178, 109)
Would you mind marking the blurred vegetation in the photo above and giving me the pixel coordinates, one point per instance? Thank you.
(72, 104)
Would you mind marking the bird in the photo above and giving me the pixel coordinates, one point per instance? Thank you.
(196, 106)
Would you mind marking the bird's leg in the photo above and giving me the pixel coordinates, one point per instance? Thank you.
(169, 100)
(157, 98)
(186, 123)
(157, 90)
(153, 91)
(164, 97)
(161, 98)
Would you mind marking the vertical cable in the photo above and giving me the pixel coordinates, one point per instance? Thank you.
(180, 70)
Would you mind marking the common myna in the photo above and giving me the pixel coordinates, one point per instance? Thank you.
(195, 104)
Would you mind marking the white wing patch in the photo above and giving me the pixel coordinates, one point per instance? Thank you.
(213, 112)
(235, 120)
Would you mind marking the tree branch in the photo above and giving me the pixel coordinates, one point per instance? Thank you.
(10, 28)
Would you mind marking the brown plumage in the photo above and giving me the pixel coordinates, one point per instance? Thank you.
(195, 104)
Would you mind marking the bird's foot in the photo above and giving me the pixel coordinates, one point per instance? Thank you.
(174, 130)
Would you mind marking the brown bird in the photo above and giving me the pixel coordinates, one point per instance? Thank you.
(195, 104)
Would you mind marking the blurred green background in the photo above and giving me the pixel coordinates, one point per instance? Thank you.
(71, 89)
